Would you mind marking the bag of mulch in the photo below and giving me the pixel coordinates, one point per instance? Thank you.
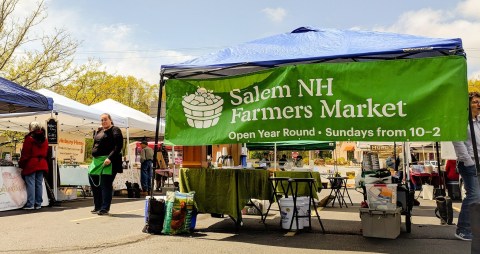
(179, 210)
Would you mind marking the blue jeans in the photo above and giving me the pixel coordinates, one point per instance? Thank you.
(472, 189)
(146, 175)
(102, 190)
(34, 189)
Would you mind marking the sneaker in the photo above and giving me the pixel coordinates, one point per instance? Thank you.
(94, 211)
(28, 208)
(103, 212)
(38, 207)
(464, 237)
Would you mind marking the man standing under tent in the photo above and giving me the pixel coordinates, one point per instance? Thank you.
(160, 178)
(466, 167)
(146, 160)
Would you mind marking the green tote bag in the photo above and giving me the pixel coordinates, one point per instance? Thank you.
(97, 168)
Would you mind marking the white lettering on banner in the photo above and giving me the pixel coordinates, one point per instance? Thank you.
(391, 133)
(318, 87)
(269, 134)
(272, 134)
(329, 132)
(298, 133)
(353, 111)
(310, 87)
(269, 113)
(249, 97)
(241, 135)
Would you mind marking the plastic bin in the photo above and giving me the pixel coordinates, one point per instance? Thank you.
(286, 211)
(303, 206)
(381, 224)
(427, 192)
(382, 196)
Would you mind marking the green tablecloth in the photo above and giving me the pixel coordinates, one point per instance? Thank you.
(225, 191)
(302, 187)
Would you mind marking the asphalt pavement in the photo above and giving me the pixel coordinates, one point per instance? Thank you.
(70, 228)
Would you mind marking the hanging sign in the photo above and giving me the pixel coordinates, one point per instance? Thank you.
(422, 99)
(52, 131)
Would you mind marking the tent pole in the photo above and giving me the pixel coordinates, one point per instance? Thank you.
(423, 154)
(128, 142)
(55, 172)
(173, 162)
(275, 155)
(157, 130)
(406, 163)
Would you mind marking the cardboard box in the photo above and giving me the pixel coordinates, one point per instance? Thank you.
(381, 224)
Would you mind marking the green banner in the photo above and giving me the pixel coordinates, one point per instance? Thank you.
(398, 100)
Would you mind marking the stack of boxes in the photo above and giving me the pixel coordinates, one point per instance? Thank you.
(382, 219)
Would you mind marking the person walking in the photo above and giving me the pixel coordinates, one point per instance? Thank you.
(146, 160)
(33, 161)
(107, 162)
(468, 171)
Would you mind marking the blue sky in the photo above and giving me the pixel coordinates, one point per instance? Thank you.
(137, 37)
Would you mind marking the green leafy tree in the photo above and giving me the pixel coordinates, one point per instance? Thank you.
(94, 86)
(474, 85)
(49, 65)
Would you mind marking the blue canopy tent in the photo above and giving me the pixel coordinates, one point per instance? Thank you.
(308, 45)
(305, 46)
(18, 99)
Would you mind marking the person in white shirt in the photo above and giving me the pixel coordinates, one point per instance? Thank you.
(468, 170)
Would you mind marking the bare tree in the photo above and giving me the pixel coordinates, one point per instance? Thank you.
(46, 67)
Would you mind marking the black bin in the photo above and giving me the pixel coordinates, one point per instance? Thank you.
(453, 188)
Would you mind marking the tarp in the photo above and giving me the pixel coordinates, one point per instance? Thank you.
(320, 84)
(15, 98)
(292, 145)
(139, 123)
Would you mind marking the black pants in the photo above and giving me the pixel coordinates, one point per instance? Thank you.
(103, 192)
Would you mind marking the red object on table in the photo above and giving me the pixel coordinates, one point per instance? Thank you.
(433, 178)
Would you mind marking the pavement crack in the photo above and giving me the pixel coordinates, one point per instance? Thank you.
(100, 246)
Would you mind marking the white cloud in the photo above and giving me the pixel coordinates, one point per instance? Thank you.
(25, 7)
(121, 56)
(457, 23)
(112, 44)
(275, 14)
(469, 8)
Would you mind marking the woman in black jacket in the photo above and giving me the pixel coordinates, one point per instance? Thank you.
(108, 141)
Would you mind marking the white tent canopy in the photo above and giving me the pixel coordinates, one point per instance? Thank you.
(73, 117)
(139, 123)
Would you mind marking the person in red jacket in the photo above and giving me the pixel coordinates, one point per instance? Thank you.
(33, 161)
